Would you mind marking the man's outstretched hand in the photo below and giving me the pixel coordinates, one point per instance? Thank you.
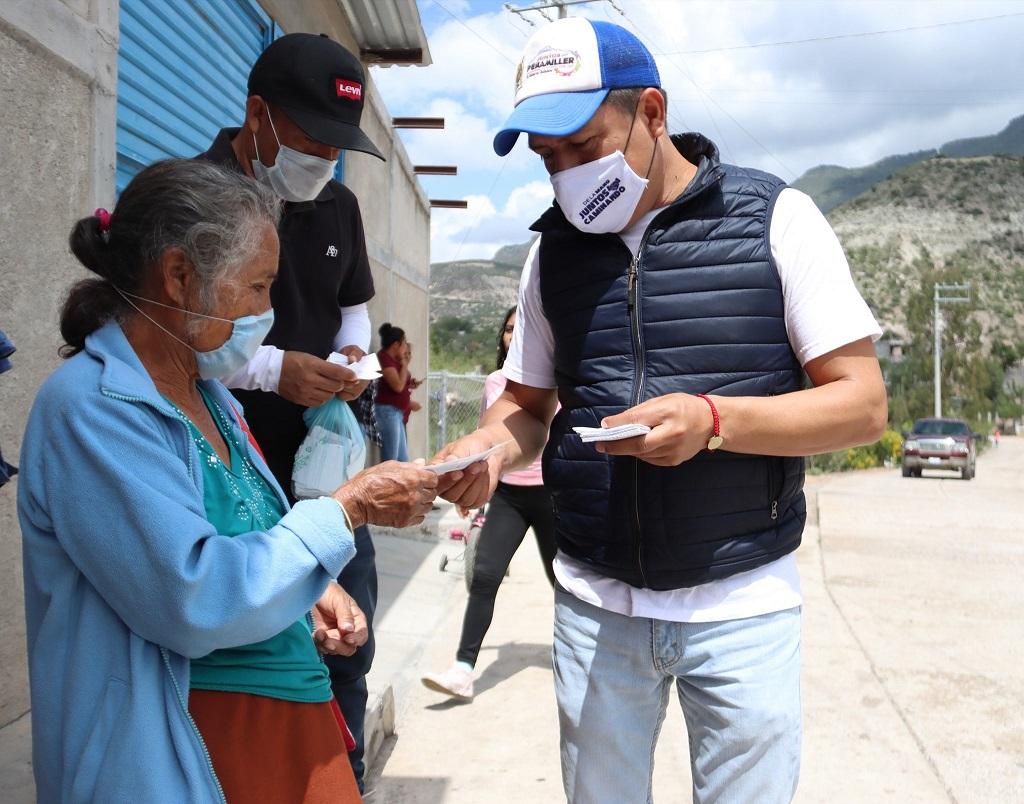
(681, 425)
(474, 485)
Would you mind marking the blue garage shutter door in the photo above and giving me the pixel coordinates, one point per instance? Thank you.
(182, 67)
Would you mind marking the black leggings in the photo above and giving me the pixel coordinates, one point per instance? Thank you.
(511, 512)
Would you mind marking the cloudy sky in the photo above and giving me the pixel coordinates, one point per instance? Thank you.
(735, 70)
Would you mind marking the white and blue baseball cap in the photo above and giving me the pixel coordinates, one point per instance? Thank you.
(567, 70)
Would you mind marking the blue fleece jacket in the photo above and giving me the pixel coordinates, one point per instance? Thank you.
(126, 580)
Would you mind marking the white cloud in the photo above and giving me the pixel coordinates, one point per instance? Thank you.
(844, 101)
(473, 62)
(480, 230)
(847, 101)
(464, 141)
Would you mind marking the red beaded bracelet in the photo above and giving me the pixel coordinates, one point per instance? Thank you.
(716, 437)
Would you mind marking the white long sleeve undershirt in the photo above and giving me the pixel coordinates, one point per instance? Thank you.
(263, 371)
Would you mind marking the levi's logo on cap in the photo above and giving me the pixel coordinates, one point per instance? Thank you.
(350, 90)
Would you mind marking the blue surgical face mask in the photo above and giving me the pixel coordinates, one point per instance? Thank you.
(247, 333)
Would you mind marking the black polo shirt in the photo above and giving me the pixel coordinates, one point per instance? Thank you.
(323, 262)
(323, 267)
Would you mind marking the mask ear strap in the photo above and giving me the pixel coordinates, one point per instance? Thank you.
(256, 146)
(631, 123)
(654, 152)
(273, 128)
(151, 320)
(125, 293)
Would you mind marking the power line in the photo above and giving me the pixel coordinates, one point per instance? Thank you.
(718, 132)
(840, 91)
(833, 37)
(459, 20)
(721, 108)
(480, 214)
(725, 111)
(504, 162)
(671, 111)
(901, 104)
(561, 5)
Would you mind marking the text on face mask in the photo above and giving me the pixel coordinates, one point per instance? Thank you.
(609, 190)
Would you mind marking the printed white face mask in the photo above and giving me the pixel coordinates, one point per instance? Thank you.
(601, 196)
(294, 176)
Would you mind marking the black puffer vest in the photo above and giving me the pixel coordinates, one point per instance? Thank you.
(700, 311)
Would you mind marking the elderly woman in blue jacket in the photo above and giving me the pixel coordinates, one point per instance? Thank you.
(175, 605)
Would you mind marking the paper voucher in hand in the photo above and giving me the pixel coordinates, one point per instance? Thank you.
(591, 434)
(456, 464)
(367, 368)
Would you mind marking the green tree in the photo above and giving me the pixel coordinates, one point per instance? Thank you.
(461, 346)
(970, 376)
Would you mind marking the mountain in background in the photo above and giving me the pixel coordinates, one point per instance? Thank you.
(831, 185)
(899, 220)
(478, 291)
(959, 214)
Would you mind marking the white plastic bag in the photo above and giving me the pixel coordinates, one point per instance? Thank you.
(333, 451)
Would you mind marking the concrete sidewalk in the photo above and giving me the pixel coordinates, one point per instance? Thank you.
(911, 679)
(911, 685)
(504, 746)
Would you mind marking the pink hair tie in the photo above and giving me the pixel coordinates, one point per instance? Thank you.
(104, 217)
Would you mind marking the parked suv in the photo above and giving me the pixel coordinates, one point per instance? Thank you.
(940, 444)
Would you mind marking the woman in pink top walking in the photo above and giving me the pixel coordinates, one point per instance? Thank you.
(520, 502)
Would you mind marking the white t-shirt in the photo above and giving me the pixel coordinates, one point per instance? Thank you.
(823, 311)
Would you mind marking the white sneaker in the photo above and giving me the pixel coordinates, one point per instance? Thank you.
(454, 681)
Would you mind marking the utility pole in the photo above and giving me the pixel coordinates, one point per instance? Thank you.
(944, 294)
(561, 5)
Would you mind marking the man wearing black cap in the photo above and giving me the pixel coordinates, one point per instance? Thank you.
(306, 95)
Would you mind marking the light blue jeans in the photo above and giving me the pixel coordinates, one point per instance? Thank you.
(739, 688)
(391, 424)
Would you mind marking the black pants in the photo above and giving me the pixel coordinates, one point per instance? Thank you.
(511, 512)
(348, 673)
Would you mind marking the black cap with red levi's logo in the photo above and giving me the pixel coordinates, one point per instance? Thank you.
(319, 85)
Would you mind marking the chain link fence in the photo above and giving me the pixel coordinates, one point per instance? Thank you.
(454, 406)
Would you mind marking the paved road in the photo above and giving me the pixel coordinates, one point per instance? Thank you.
(913, 680)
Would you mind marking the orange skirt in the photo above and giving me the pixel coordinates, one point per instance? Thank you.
(272, 751)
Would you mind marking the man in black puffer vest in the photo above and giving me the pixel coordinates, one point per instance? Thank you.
(673, 303)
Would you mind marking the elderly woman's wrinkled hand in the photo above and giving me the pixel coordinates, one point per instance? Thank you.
(392, 494)
(339, 625)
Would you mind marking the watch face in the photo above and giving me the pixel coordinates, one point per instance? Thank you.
(715, 442)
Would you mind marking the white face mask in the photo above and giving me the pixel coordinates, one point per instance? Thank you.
(601, 196)
(294, 176)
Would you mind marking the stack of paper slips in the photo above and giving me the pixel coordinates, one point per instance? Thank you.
(590, 434)
(368, 368)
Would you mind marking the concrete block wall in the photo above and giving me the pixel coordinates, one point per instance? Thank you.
(396, 211)
(58, 82)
